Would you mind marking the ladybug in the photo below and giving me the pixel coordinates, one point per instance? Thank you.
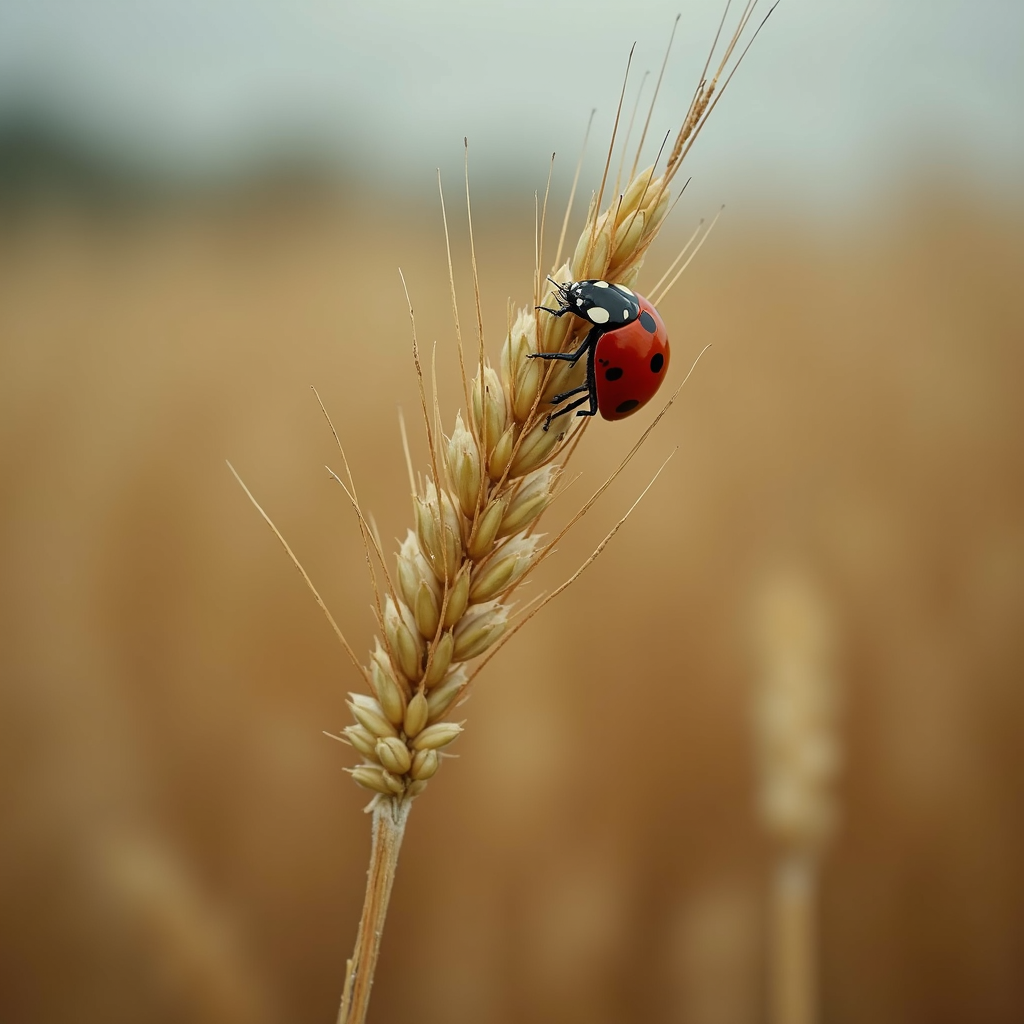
(627, 349)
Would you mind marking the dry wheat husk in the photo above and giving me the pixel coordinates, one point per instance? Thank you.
(475, 527)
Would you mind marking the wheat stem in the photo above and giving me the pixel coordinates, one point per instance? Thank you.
(796, 719)
(793, 967)
(389, 818)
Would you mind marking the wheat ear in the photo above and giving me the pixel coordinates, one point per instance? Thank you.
(476, 511)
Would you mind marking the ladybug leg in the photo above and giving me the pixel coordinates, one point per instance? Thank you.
(570, 407)
(591, 386)
(590, 389)
(567, 394)
(572, 358)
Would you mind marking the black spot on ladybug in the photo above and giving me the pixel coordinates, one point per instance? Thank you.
(657, 362)
(627, 406)
(613, 374)
(647, 322)
(603, 362)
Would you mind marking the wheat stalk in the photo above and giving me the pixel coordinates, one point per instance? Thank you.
(798, 754)
(476, 510)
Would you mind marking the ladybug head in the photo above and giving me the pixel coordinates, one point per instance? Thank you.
(597, 302)
(565, 293)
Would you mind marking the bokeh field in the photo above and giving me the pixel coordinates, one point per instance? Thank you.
(178, 841)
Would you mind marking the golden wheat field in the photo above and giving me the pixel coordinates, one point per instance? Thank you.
(179, 840)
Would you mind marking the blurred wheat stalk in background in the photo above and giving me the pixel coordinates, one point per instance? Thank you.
(477, 509)
(796, 731)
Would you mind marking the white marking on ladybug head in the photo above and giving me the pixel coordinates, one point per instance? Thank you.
(600, 284)
(623, 288)
(598, 314)
(579, 302)
(625, 314)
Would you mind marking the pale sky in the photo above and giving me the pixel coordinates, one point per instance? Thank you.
(832, 94)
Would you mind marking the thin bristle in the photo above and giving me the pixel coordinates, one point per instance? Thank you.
(714, 46)
(451, 284)
(592, 500)
(373, 541)
(419, 381)
(435, 401)
(678, 274)
(608, 159)
(574, 442)
(702, 82)
(576, 575)
(353, 497)
(572, 191)
(654, 99)
(647, 185)
(707, 98)
(539, 273)
(675, 263)
(629, 132)
(728, 79)
(476, 275)
(406, 452)
(305, 576)
(449, 570)
(374, 531)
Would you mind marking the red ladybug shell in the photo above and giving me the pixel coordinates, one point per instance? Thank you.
(630, 364)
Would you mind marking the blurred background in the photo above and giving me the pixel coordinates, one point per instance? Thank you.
(203, 208)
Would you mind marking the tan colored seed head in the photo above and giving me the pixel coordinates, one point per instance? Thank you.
(475, 536)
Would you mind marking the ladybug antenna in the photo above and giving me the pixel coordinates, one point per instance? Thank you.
(562, 291)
